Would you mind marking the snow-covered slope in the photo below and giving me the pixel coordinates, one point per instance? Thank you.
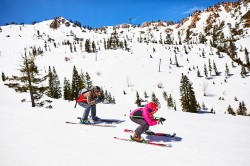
(38, 136)
(35, 136)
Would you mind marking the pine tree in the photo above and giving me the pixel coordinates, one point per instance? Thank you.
(89, 83)
(156, 100)
(113, 100)
(184, 93)
(75, 85)
(202, 38)
(74, 47)
(188, 34)
(138, 99)
(93, 47)
(232, 50)
(185, 49)
(165, 95)
(105, 44)
(3, 77)
(230, 110)
(203, 53)
(227, 71)
(215, 69)
(247, 57)
(109, 98)
(170, 101)
(66, 90)
(113, 41)
(125, 44)
(70, 46)
(242, 110)
(51, 88)
(205, 70)
(106, 97)
(81, 46)
(57, 92)
(188, 100)
(209, 67)
(30, 80)
(87, 46)
(198, 73)
(218, 53)
(176, 61)
(82, 83)
(121, 45)
(243, 72)
(192, 99)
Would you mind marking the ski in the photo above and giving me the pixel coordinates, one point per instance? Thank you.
(152, 133)
(92, 124)
(146, 142)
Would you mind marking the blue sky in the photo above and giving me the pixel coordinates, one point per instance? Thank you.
(96, 13)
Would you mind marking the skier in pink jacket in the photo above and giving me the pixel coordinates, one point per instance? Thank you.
(145, 118)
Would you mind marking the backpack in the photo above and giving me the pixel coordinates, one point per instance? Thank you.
(81, 95)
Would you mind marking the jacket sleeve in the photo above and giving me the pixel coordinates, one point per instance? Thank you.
(146, 115)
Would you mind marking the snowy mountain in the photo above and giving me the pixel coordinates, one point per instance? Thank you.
(197, 42)
(130, 58)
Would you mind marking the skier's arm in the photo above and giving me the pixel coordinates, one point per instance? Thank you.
(90, 99)
(147, 117)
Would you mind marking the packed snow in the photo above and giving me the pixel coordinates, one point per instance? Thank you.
(36, 136)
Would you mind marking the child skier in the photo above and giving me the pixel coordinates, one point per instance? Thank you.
(144, 117)
(88, 101)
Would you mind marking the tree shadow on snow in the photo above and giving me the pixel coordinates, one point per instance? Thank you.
(163, 138)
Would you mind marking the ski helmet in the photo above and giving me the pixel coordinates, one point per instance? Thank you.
(97, 88)
(154, 106)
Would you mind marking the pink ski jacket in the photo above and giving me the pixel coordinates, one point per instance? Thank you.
(146, 113)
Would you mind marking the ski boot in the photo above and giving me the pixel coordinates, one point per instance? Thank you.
(137, 138)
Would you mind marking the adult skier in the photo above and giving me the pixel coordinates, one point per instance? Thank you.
(88, 101)
(145, 118)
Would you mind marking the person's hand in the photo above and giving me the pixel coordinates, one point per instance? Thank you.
(98, 100)
(161, 120)
(101, 98)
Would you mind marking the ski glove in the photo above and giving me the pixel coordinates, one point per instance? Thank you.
(161, 120)
(98, 100)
